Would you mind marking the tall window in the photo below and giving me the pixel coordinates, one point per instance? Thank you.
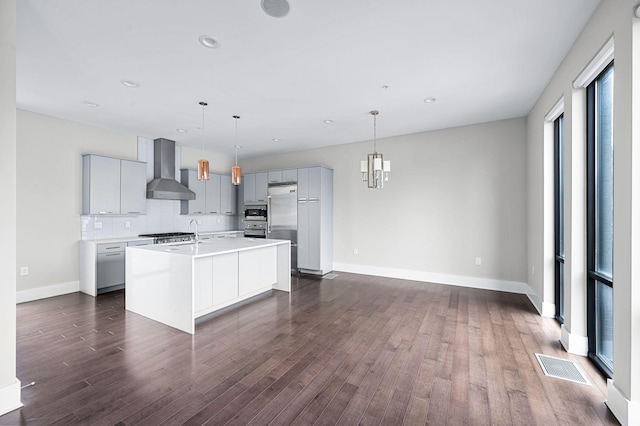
(600, 219)
(558, 142)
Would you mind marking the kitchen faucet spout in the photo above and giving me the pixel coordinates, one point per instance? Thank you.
(195, 221)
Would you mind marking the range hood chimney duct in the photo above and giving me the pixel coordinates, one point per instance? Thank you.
(164, 185)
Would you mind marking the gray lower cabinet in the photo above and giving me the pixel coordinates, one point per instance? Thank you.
(110, 265)
(102, 265)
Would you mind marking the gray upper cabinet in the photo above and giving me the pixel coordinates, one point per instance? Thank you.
(189, 178)
(214, 196)
(249, 187)
(255, 187)
(133, 187)
(227, 195)
(113, 186)
(280, 176)
(212, 200)
(261, 187)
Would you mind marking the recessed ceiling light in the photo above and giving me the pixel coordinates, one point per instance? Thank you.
(328, 121)
(130, 84)
(429, 100)
(181, 131)
(209, 42)
(275, 140)
(90, 104)
(275, 8)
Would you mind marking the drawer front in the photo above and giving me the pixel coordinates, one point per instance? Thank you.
(139, 243)
(110, 248)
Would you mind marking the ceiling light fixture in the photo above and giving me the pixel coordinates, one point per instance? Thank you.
(236, 173)
(90, 104)
(275, 8)
(209, 42)
(637, 11)
(181, 131)
(130, 84)
(429, 100)
(328, 121)
(375, 171)
(275, 140)
(203, 165)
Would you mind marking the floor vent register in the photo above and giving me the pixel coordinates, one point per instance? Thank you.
(561, 369)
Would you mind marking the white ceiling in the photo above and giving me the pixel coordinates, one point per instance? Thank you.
(482, 61)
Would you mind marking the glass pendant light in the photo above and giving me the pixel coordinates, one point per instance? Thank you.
(375, 170)
(203, 164)
(236, 173)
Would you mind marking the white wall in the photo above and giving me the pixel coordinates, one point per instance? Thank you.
(9, 385)
(49, 200)
(453, 195)
(613, 17)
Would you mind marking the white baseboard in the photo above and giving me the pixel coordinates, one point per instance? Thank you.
(572, 343)
(431, 277)
(625, 411)
(10, 397)
(47, 291)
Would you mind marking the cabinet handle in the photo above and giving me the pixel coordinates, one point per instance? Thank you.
(228, 212)
(111, 248)
(133, 212)
(113, 254)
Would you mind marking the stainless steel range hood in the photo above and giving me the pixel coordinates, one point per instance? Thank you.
(164, 185)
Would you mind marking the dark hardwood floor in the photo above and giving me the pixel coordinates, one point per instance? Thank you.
(355, 349)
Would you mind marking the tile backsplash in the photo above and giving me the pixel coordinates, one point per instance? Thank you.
(162, 216)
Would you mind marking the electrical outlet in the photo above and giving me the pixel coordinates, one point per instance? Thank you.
(478, 261)
(218, 220)
(24, 271)
(355, 251)
(97, 225)
(127, 224)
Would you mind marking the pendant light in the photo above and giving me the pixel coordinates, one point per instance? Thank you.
(203, 165)
(375, 170)
(236, 173)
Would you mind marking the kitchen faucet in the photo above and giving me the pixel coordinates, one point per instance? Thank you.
(189, 228)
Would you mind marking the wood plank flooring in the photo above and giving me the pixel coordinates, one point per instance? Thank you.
(355, 349)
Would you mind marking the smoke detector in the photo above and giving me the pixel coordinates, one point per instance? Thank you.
(275, 8)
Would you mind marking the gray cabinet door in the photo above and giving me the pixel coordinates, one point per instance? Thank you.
(261, 187)
(100, 185)
(189, 178)
(110, 269)
(249, 186)
(212, 198)
(227, 195)
(133, 187)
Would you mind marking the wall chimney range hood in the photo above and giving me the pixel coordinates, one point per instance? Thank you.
(164, 185)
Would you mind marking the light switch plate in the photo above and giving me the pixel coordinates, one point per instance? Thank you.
(24, 270)
(97, 225)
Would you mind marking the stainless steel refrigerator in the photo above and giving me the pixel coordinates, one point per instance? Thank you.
(282, 216)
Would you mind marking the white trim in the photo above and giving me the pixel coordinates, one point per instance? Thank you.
(595, 67)
(555, 111)
(10, 397)
(47, 291)
(572, 343)
(432, 277)
(548, 310)
(625, 411)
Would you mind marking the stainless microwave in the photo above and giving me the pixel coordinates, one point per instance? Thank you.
(255, 213)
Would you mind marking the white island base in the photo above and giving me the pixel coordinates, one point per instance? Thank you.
(177, 283)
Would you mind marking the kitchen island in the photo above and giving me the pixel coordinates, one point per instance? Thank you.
(177, 283)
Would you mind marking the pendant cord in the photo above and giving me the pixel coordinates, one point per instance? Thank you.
(374, 134)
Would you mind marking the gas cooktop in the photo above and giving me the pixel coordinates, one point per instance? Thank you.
(168, 234)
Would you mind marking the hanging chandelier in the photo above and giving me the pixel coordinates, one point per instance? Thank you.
(203, 165)
(236, 173)
(375, 170)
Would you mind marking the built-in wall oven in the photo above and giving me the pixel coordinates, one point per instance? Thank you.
(255, 221)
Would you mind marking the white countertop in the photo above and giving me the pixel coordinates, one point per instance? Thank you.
(211, 247)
